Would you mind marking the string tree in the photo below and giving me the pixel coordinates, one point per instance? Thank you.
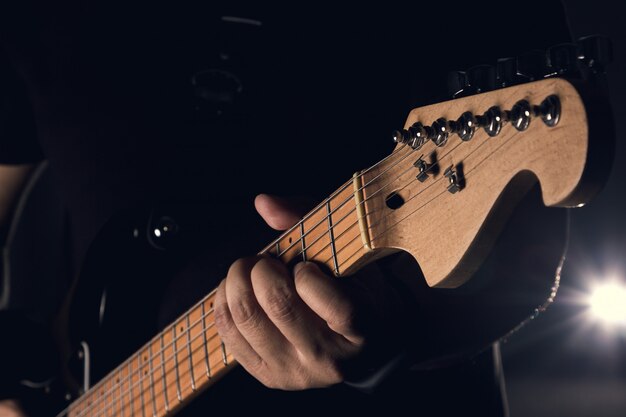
(422, 168)
(456, 181)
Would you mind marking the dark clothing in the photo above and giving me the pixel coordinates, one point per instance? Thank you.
(211, 104)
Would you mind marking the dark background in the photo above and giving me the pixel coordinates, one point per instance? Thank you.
(563, 363)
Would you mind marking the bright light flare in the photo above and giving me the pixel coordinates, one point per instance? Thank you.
(608, 303)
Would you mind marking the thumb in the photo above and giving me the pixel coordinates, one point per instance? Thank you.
(278, 213)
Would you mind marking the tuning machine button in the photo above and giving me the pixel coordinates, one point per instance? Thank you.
(506, 72)
(481, 78)
(419, 134)
(400, 136)
(563, 59)
(549, 110)
(595, 52)
(519, 115)
(442, 129)
(533, 65)
(457, 83)
(492, 120)
(466, 126)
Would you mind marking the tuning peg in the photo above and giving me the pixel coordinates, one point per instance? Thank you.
(481, 78)
(595, 52)
(563, 59)
(533, 65)
(457, 83)
(506, 72)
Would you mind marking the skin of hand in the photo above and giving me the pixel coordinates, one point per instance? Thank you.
(10, 408)
(302, 328)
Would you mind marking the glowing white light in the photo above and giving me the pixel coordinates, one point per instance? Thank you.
(157, 232)
(608, 303)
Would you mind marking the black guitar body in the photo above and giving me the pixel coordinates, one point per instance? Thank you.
(133, 284)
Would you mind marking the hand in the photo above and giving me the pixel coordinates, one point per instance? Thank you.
(303, 328)
(10, 408)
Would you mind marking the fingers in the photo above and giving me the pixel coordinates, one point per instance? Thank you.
(286, 333)
(327, 299)
(277, 213)
(277, 295)
(241, 321)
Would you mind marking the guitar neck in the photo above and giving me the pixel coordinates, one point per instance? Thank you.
(188, 356)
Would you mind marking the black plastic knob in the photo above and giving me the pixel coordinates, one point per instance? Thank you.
(563, 59)
(533, 65)
(595, 52)
(549, 110)
(520, 115)
(481, 78)
(457, 83)
(467, 125)
(418, 135)
(506, 72)
(441, 131)
(491, 121)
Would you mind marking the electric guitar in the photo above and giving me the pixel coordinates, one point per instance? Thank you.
(457, 170)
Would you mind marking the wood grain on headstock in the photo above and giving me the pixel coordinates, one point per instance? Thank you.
(450, 233)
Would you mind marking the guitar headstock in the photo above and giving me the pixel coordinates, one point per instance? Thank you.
(460, 166)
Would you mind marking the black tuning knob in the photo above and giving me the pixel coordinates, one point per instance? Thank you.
(563, 59)
(595, 52)
(506, 72)
(481, 78)
(457, 83)
(533, 65)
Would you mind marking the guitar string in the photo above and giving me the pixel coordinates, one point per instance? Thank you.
(347, 184)
(409, 183)
(183, 348)
(117, 383)
(328, 214)
(369, 197)
(325, 217)
(423, 205)
(396, 152)
(138, 371)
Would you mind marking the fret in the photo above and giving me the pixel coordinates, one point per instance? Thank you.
(193, 381)
(303, 245)
(206, 348)
(131, 397)
(141, 390)
(154, 406)
(119, 380)
(224, 358)
(178, 391)
(331, 237)
(103, 407)
(163, 373)
(278, 249)
(346, 232)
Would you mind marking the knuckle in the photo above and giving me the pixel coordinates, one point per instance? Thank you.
(243, 310)
(280, 302)
(221, 317)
